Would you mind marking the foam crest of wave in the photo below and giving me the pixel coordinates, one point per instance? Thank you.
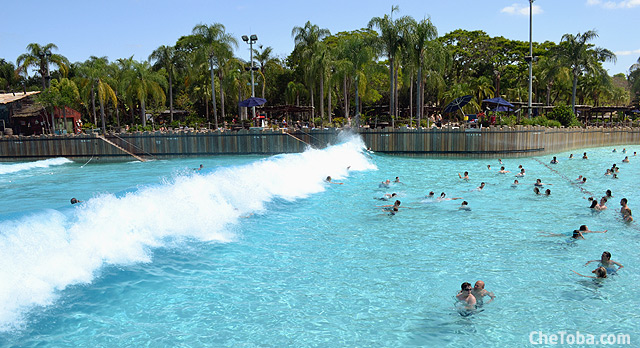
(48, 251)
(18, 167)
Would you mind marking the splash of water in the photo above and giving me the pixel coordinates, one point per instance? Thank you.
(18, 167)
(45, 252)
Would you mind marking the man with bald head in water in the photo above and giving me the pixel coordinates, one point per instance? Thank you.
(479, 292)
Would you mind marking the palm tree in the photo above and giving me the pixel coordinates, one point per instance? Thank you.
(307, 41)
(165, 57)
(357, 53)
(264, 58)
(214, 45)
(40, 57)
(419, 34)
(391, 40)
(147, 84)
(93, 75)
(575, 52)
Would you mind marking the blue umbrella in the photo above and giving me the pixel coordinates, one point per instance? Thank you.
(458, 103)
(253, 101)
(502, 108)
(498, 101)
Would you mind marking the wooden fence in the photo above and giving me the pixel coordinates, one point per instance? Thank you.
(503, 142)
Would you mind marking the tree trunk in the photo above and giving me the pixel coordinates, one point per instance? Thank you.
(391, 97)
(322, 98)
(170, 101)
(357, 115)
(143, 113)
(395, 95)
(573, 94)
(117, 112)
(346, 100)
(104, 126)
(419, 101)
(222, 113)
(213, 96)
(93, 105)
(411, 101)
(329, 104)
(313, 109)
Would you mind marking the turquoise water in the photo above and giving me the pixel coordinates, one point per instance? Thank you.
(262, 252)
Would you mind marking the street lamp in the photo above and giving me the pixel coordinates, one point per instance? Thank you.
(530, 58)
(250, 40)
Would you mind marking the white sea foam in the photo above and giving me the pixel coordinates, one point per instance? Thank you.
(47, 252)
(17, 167)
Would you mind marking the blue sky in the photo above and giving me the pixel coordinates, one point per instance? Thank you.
(121, 28)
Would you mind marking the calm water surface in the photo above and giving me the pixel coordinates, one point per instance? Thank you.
(262, 252)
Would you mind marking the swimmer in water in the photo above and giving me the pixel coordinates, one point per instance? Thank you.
(614, 150)
(626, 159)
(489, 166)
(466, 297)
(199, 168)
(479, 188)
(515, 183)
(579, 178)
(387, 196)
(539, 183)
(328, 179)
(626, 216)
(500, 161)
(576, 234)
(584, 156)
(521, 174)
(600, 273)
(571, 156)
(75, 200)
(465, 177)
(547, 192)
(536, 190)
(397, 180)
(603, 204)
(464, 206)
(594, 204)
(554, 160)
(606, 262)
(584, 181)
(443, 195)
(384, 184)
(431, 195)
(624, 150)
(608, 194)
(479, 293)
(502, 171)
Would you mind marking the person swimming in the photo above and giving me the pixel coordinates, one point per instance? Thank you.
(465, 177)
(626, 159)
(547, 192)
(606, 262)
(536, 190)
(515, 183)
(554, 160)
(443, 197)
(464, 206)
(539, 183)
(600, 273)
(329, 180)
(571, 156)
(584, 156)
(479, 188)
(521, 174)
(387, 196)
(465, 296)
(75, 200)
(503, 171)
(384, 184)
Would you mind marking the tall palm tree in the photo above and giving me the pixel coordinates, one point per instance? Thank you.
(40, 57)
(307, 41)
(147, 84)
(92, 76)
(264, 58)
(357, 52)
(419, 34)
(214, 45)
(391, 40)
(575, 52)
(165, 57)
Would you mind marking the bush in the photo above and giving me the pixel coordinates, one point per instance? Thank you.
(564, 115)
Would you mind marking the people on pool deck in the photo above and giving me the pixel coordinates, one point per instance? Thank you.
(554, 160)
(584, 156)
(328, 179)
(479, 293)
(600, 273)
(503, 171)
(466, 296)
(539, 183)
(465, 177)
(75, 200)
(464, 206)
(521, 174)
(626, 159)
(606, 262)
(443, 197)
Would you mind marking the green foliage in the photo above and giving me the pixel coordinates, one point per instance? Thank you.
(540, 121)
(564, 115)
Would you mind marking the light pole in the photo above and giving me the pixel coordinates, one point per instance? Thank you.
(530, 58)
(250, 40)
(47, 84)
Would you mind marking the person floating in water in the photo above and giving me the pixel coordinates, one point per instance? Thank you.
(443, 195)
(539, 183)
(479, 293)
(397, 180)
(479, 188)
(465, 177)
(576, 234)
(515, 183)
(554, 160)
(600, 273)
(74, 201)
(521, 174)
(387, 196)
(571, 156)
(464, 206)
(199, 168)
(626, 159)
(328, 179)
(503, 171)
(614, 150)
(606, 262)
(466, 297)
(536, 190)
(384, 184)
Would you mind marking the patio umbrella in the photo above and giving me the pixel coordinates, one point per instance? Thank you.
(458, 103)
(502, 108)
(498, 101)
(253, 101)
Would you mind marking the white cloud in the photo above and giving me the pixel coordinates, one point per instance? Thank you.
(614, 4)
(627, 53)
(519, 9)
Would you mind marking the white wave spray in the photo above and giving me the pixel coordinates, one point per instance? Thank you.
(51, 250)
(18, 167)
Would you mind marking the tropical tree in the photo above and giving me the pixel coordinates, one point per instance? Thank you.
(418, 35)
(39, 57)
(576, 53)
(165, 57)
(8, 76)
(147, 84)
(307, 42)
(264, 58)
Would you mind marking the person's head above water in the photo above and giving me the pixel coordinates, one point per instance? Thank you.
(442, 195)
(431, 193)
(600, 272)
(547, 192)
(606, 256)
(466, 287)
(594, 203)
(74, 200)
(577, 234)
(479, 285)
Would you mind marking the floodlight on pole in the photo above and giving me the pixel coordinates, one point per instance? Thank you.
(530, 58)
(251, 40)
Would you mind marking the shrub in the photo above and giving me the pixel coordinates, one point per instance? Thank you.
(564, 115)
